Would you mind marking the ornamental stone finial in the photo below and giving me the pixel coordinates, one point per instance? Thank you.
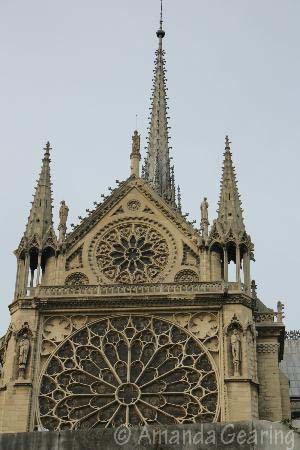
(227, 142)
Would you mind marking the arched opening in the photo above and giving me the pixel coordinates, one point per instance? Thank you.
(33, 265)
(231, 258)
(48, 266)
(216, 262)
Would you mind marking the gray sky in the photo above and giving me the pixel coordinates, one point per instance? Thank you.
(77, 73)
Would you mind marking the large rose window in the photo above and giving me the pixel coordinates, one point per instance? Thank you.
(132, 253)
(130, 370)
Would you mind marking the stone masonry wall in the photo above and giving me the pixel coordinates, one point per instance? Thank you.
(256, 435)
(269, 403)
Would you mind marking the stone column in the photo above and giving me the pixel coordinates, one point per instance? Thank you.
(17, 278)
(238, 264)
(246, 268)
(26, 273)
(225, 264)
(38, 273)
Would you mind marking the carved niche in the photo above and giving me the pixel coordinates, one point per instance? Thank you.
(190, 258)
(131, 370)
(133, 251)
(74, 261)
(234, 347)
(23, 339)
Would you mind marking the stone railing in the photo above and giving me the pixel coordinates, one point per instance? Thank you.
(138, 289)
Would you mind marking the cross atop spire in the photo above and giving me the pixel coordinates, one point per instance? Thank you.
(227, 142)
(157, 170)
(161, 14)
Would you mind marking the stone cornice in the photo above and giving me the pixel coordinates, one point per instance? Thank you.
(241, 380)
(207, 300)
(272, 330)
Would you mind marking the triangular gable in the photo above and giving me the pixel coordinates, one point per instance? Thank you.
(113, 206)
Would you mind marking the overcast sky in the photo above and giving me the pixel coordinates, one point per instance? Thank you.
(77, 73)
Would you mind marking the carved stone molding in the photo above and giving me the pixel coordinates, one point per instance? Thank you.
(216, 287)
(134, 205)
(76, 279)
(186, 276)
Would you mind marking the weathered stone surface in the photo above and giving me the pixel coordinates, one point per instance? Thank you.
(249, 435)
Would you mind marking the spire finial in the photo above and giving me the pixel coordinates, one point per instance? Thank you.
(160, 33)
(47, 149)
(227, 142)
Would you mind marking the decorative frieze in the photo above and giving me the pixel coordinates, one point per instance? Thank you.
(267, 347)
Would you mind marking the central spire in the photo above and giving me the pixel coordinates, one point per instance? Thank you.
(158, 171)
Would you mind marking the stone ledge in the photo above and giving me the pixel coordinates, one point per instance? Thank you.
(20, 382)
(250, 435)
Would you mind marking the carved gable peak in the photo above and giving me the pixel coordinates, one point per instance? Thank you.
(118, 204)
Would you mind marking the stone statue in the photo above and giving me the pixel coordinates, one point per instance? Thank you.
(236, 351)
(280, 312)
(204, 209)
(136, 143)
(204, 218)
(24, 347)
(63, 217)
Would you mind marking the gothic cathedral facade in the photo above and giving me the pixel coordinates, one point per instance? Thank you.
(130, 317)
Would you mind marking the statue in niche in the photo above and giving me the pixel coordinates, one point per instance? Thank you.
(63, 217)
(24, 348)
(236, 351)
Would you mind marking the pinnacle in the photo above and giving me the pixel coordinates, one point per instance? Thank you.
(40, 217)
(229, 205)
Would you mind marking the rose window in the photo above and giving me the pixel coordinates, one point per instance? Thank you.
(132, 253)
(131, 370)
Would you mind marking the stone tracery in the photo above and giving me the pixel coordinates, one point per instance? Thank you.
(131, 370)
(132, 252)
